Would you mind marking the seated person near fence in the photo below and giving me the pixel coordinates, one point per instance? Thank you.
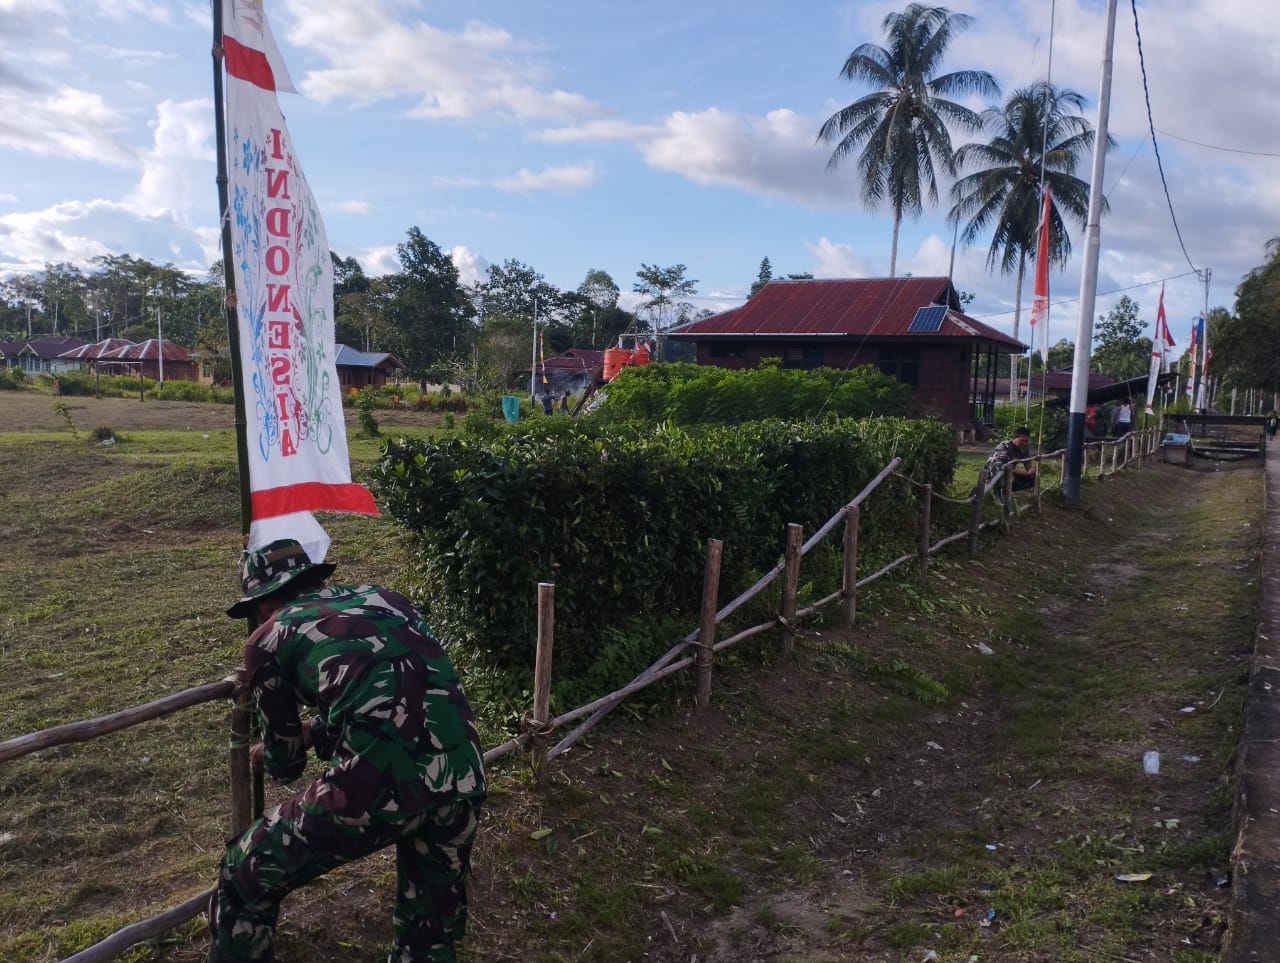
(1007, 456)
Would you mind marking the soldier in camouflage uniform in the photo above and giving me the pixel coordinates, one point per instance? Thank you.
(1007, 457)
(404, 758)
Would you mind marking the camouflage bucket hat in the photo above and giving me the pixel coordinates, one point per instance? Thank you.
(268, 569)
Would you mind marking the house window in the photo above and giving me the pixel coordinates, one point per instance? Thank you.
(802, 356)
(726, 349)
(901, 362)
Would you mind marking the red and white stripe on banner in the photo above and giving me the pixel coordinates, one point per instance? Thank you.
(298, 460)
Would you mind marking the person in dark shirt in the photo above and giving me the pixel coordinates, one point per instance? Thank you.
(1008, 457)
(398, 735)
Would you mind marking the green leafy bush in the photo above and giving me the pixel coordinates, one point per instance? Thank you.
(1009, 417)
(618, 517)
(688, 394)
(366, 403)
(182, 390)
(11, 379)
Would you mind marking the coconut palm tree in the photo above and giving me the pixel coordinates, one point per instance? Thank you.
(1003, 191)
(901, 128)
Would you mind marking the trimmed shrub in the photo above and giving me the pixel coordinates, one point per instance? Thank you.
(618, 518)
(688, 394)
(12, 379)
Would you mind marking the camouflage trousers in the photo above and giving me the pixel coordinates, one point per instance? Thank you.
(309, 835)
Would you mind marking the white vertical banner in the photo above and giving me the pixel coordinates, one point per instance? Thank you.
(298, 460)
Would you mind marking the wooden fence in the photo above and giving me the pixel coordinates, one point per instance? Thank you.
(697, 649)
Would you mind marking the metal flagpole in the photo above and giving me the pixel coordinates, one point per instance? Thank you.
(533, 360)
(1089, 277)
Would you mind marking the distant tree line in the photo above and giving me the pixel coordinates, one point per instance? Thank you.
(481, 334)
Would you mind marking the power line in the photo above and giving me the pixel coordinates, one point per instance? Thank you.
(1132, 157)
(1230, 150)
(1151, 124)
(1101, 294)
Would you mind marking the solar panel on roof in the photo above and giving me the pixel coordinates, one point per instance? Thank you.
(929, 318)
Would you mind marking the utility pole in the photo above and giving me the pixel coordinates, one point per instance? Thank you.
(1089, 277)
(160, 344)
(533, 364)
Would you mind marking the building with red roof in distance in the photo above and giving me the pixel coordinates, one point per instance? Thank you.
(911, 328)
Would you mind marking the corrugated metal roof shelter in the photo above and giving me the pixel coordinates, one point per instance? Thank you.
(912, 328)
(359, 369)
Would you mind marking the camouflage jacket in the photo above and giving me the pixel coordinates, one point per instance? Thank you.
(1002, 455)
(390, 709)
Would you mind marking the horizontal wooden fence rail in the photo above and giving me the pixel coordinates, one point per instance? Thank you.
(92, 728)
(701, 639)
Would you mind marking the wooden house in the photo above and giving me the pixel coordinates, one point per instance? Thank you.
(911, 328)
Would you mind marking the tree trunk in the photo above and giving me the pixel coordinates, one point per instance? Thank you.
(1017, 317)
(893, 250)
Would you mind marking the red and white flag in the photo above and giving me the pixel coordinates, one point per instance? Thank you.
(1040, 300)
(1161, 342)
(297, 442)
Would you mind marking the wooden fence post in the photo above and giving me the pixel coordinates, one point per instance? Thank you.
(926, 511)
(1115, 453)
(1035, 495)
(705, 654)
(790, 582)
(975, 520)
(850, 602)
(1006, 510)
(241, 780)
(542, 678)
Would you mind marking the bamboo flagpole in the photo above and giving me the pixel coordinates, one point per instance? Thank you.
(248, 794)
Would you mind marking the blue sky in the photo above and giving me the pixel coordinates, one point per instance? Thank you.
(572, 136)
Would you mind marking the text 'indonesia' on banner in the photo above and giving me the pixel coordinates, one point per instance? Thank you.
(298, 459)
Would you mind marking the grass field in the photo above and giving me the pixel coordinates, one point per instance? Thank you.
(882, 794)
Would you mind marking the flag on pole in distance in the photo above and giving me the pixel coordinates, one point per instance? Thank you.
(1161, 342)
(297, 442)
(1040, 300)
(1191, 363)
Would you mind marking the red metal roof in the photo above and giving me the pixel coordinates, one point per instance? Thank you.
(576, 359)
(148, 350)
(95, 350)
(844, 308)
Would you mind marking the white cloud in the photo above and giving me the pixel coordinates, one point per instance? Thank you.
(472, 267)
(69, 122)
(380, 260)
(355, 207)
(477, 70)
(8, 199)
(597, 131)
(124, 10)
(175, 170)
(30, 238)
(560, 179)
(833, 260)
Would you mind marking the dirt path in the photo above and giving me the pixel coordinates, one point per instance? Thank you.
(971, 804)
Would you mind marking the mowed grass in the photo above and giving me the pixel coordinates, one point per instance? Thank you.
(807, 815)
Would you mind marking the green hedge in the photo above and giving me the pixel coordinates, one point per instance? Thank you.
(618, 517)
(1054, 425)
(688, 394)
